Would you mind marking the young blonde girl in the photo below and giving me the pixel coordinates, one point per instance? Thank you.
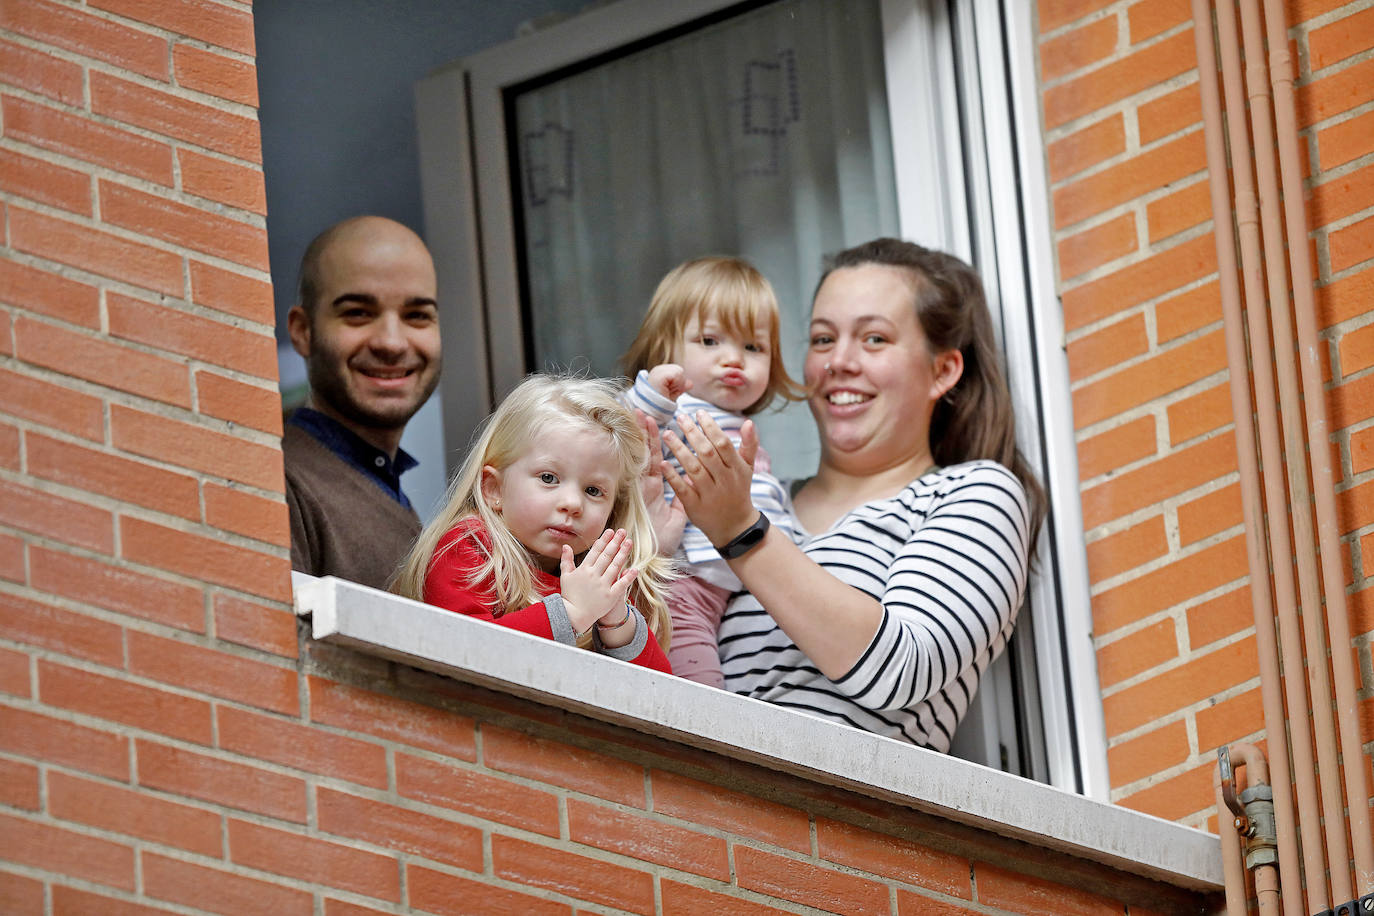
(710, 342)
(545, 529)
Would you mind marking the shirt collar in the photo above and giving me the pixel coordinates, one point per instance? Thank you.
(356, 451)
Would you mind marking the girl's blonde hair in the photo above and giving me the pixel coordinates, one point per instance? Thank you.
(539, 403)
(728, 289)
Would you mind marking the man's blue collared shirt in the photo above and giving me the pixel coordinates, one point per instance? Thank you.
(351, 448)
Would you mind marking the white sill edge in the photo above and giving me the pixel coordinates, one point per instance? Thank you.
(379, 623)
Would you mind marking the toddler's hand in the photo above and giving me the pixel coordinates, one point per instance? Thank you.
(596, 589)
(670, 380)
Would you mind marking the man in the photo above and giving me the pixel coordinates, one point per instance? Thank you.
(367, 323)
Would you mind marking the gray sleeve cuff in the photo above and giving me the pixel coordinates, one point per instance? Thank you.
(631, 650)
(558, 620)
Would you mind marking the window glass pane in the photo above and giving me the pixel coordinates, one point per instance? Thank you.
(765, 136)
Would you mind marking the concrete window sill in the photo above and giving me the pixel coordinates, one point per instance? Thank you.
(378, 623)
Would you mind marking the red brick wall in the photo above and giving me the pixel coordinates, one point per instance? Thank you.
(1137, 269)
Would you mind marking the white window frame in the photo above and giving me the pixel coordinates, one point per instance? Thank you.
(469, 222)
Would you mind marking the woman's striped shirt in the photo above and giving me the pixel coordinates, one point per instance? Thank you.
(947, 558)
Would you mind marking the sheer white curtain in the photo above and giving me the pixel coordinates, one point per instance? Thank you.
(765, 136)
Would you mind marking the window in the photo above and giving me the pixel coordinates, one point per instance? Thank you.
(565, 172)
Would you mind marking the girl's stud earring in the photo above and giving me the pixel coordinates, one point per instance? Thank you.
(828, 370)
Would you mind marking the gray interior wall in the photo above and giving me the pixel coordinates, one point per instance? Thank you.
(335, 84)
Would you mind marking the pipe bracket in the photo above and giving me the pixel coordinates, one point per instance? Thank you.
(1364, 906)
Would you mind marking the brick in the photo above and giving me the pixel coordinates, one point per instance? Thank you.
(58, 630)
(66, 852)
(301, 747)
(231, 292)
(196, 448)
(1169, 370)
(1331, 95)
(36, 71)
(1155, 168)
(220, 781)
(45, 182)
(713, 806)
(1187, 312)
(562, 765)
(1147, 754)
(1355, 507)
(690, 900)
(81, 138)
(911, 904)
(1095, 143)
(399, 829)
(648, 839)
(1117, 447)
(1176, 797)
(1210, 514)
(477, 794)
(1200, 413)
(210, 22)
(1362, 450)
(1179, 211)
(117, 700)
(1099, 245)
(218, 891)
(98, 360)
(571, 874)
(239, 402)
(1054, 13)
(223, 181)
(95, 251)
(1209, 568)
(6, 342)
(1107, 347)
(808, 884)
(87, 35)
(450, 895)
(134, 814)
(340, 908)
(1077, 49)
(1229, 721)
(1341, 196)
(1032, 896)
(1168, 270)
(206, 558)
(9, 447)
(54, 741)
(68, 901)
(257, 626)
(215, 74)
(392, 719)
(11, 558)
(14, 673)
(19, 787)
(191, 335)
(1135, 546)
(1139, 651)
(1119, 79)
(210, 671)
(1350, 402)
(109, 475)
(247, 514)
(116, 588)
(57, 518)
(304, 858)
(1169, 114)
(1204, 676)
(1153, 17)
(176, 117)
(20, 895)
(1351, 245)
(49, 294)
(1346, 141)
(892, 857)
(1340, 39)
(184, 225)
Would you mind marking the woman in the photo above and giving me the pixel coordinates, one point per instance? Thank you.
(919, 522)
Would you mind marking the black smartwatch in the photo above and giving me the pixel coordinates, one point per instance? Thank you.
(746, 540)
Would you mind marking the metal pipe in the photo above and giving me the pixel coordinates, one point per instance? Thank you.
(1253, 818)
(1295, 689)
(1232, 869)
(1295, 441)
(1357, 789)
(1246, 449)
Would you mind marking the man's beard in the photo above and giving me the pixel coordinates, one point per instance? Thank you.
(329, 384)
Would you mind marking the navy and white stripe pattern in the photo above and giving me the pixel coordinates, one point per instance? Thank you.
(766, 492)
(947, 557)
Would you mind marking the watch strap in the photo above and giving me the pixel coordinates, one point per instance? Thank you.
(746, 540)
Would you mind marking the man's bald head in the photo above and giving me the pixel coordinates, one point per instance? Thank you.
(356, 230)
